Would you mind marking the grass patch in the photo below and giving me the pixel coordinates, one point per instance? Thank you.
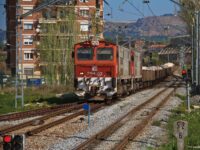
(37, 97)
(182, 97)
(156, 123)
(6, 103)
(193, 138)
(150, 148)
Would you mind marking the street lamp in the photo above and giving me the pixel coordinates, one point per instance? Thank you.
(166, 29)
(37, 31)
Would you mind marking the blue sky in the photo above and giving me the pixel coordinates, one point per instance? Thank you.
(123, 10)
(2, 15)
(127, 13)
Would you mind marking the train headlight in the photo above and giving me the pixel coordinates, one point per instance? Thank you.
(81, 73)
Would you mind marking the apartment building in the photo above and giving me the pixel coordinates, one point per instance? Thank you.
(26, 34)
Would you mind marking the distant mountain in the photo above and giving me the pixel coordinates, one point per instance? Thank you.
(156, 28)
(2, 35)
(168, 15)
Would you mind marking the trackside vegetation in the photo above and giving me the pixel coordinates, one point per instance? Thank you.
(192, 141)
(35, 98)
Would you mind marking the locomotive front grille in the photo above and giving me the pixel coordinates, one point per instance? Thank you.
(96, 86)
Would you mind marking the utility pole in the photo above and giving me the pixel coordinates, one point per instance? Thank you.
(130, 48)
(197, 46)
(182, 57)
(19, 85)
(117, 39)
(129, 44)
(188, 94)
(195, 49)
(193, 73)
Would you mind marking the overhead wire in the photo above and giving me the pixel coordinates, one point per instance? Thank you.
(125, 25)
(109, 29)
(158, 21)
(111, 13)
(140, 12)
(90, 19)
(125, 11)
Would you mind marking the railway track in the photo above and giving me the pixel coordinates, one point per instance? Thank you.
(136, 130)
(57, 122)
(40, 111)
(40, 119)
(79, 112)
(35, 112)
(53, 111)
(64, 119)
(100, 137)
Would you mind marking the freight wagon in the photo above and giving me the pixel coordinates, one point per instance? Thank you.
(103, 70)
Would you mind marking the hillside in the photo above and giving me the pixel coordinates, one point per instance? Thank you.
(149, 27)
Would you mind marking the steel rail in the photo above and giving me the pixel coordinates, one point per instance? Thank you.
(31, 122)
(34, 112)
(136, 130)
(114, 126)
(67, 118)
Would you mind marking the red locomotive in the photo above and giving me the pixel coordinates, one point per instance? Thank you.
(103, 69)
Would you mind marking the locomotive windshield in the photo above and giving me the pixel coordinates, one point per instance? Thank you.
(85, 53)
(104, 54)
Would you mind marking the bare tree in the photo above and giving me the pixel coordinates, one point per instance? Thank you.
(188, 10)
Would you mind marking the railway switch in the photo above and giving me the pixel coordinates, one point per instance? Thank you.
(7, 142)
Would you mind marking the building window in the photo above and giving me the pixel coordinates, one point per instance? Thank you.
(84, 38)
(84, 27)
(28, 40)
(28, 55)
(46, 14)
(62, 14)
(28, 26)
(27, 9)
(84, 12)
(28, 71)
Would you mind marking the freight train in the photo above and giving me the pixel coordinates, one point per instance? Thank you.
(103, 70)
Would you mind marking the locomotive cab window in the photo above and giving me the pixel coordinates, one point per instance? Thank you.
(104, 54)
(85, 53)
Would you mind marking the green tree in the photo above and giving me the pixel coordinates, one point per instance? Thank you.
(57, 38)
(188, 14)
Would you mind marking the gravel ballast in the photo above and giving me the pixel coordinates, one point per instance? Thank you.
(72, 133)
(104, 118)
